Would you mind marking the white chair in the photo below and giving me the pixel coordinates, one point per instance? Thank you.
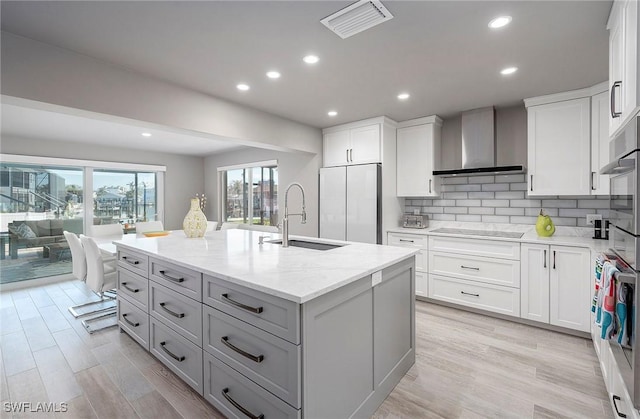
(144, 226)
(100, 278)
(259, 227)
(79, 270)
(229, 226)
(103, 230)
(211, 227)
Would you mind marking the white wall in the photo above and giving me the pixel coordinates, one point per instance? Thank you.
(511, 138)
(292, 167)
(184, 177)
(45, 73)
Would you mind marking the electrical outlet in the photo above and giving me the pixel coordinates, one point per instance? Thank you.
(592, 217)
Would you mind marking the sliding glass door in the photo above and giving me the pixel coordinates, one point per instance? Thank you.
(123, 197)
(251, 195)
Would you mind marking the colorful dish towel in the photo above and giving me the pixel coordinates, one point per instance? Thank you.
(612, 303)
(607, 300)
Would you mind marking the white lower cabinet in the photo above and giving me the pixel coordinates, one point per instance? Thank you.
(417, 241)
(556, 285)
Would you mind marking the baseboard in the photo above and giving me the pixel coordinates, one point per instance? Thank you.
(29, 283)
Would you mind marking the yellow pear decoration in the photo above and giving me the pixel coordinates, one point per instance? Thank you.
(544, 225)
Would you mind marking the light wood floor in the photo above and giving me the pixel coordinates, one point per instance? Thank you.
(467, 366)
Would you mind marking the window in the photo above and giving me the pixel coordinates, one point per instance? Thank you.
(51, 195)
(250, 194)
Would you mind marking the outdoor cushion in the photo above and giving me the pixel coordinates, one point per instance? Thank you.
(56, 227)
(25, 232)
(43, 228)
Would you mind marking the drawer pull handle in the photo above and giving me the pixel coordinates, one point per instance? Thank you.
(170, 278)
(136, 324)
(469, 293)
(124, 284)
(226, 298)
(469, 267)
(258, 359)
(615, 405)
(235, 404)
(130, 262)
(405, 240)
(171, 354)
(173, 313)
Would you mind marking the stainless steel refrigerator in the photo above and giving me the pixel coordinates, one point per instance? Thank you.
(350, 203)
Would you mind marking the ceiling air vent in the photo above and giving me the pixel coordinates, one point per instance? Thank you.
(356, 18)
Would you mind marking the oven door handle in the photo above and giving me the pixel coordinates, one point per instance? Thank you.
(618, 167)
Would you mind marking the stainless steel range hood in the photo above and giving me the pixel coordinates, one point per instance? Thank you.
(479, 146)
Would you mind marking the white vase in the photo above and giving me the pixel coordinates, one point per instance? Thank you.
(195, 222)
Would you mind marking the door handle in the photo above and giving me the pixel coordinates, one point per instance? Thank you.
(347, 150)
(593, 181)
(545, 258)
(554, 259)
(531, 183)
(351, 155)
(430, 180)
(615, 405)
(615, 114)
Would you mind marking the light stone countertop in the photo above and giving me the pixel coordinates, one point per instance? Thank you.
(292, 273)
(564, 236)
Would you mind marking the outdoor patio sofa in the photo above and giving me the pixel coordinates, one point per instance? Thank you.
(42, 233)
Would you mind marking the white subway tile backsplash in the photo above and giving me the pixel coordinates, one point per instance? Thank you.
(495, 187)
(503, 199)
(510, 195)
(495, 219)
(495, 202)
(510, 178)
(455, 210)
(455, 195)
(481, 179)
(509, 211)
(560, 203)
(481, 195)
(455, 180)
(482, 210)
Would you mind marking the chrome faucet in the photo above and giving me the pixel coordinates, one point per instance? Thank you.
(285, 220)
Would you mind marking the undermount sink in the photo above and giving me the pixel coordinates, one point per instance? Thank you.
(308, 245)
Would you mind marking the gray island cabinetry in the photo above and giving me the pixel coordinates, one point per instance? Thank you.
(265, 331)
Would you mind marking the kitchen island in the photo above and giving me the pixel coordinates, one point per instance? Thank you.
(266, 331)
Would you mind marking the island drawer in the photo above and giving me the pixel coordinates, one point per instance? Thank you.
(407, 240)
(133, 261)
(238, 397)
(489, 270)
(264, 358)
(183, 280)
(133, 321)
(134, 287)
(503, 300)
(181, 356)
(181, 313)
(267, 312)
(476, 247)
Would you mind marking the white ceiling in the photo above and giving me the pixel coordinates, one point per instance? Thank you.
(441, 52)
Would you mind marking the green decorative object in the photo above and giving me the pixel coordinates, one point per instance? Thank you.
(544, 225)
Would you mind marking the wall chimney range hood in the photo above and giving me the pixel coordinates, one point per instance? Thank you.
(479, 146)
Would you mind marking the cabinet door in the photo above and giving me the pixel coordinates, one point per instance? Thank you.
(415, 161)
(616, 63)
(365, 145)
(570, 286)
(559, 148)
(534, 282)
(336, 148)
(599, 143)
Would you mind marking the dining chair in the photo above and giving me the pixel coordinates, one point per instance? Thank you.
(79, 270)
(229, 226)
(101, 277)
(105, 230)
(211, 227)
(144, 226)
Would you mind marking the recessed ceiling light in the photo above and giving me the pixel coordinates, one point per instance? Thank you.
(508, 70)
(273, 74)
(403, 96)
(332, 113)
(500, 22)
(243, 87)
(146, 134)
(311, 59)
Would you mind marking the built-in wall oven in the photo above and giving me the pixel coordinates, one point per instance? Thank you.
(624, 241)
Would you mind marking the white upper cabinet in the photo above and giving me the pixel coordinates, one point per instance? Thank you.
(357, 145)
(623, 53)
(559, 148)
(599, 142)
(418, 156)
